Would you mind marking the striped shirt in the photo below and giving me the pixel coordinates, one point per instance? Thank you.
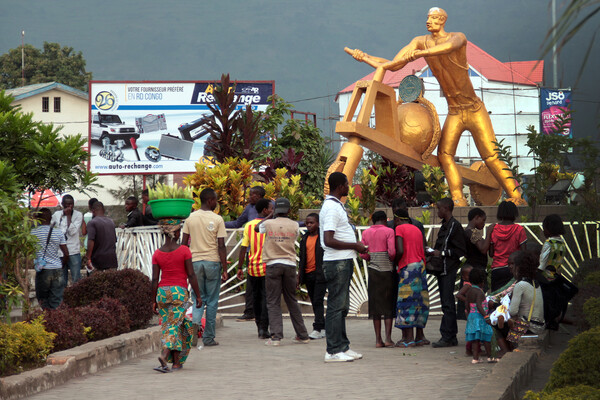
(254, 241)
(56, 239)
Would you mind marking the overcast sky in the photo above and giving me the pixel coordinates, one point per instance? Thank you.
(299, 44)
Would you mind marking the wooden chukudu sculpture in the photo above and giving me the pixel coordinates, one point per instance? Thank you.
(407, 131)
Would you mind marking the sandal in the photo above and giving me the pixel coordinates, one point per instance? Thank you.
(423, 342)
(175, 369)
(405, 344)
(162, 369)
(476, 361)
(492, 360)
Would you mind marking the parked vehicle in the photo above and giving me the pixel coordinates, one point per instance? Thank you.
(111, 127)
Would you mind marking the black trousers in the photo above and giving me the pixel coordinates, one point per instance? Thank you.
(259, 301)
(500, 277)
(316, 293)
(448, 327)
(249, 299)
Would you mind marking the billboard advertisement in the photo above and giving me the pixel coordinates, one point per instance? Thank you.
(554, 102)
(156, 127)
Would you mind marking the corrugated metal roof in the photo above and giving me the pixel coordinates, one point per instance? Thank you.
(521, 72)
(38, 88)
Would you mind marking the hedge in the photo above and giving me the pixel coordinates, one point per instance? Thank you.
(24, 345)
(132, 288)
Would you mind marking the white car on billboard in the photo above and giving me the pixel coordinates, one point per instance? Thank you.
(110, 126)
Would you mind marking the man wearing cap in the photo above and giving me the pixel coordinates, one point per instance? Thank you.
(279, 253)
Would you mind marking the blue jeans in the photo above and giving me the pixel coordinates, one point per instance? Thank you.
(208, 274)
(49, 288)
(74, 265)
(338, 274)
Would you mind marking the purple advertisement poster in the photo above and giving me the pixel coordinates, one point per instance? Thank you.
(553, 103)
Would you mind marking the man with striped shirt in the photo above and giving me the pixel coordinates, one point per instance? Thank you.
(49, 280)
(254, 241)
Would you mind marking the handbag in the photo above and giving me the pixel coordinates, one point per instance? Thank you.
(434, 265)
(39, 263)
(520, 325)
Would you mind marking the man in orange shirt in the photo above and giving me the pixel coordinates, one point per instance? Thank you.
(310, 273)
(256, 267)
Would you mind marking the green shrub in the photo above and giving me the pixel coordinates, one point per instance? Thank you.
(23, 345)
(579, 364)
(591, 311)
(585, 293)
(593, 278)
(132, 288)
(586, 268)
(579, 392)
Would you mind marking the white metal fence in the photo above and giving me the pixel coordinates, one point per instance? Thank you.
(135, 248)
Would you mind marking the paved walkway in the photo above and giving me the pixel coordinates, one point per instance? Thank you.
(241, 367)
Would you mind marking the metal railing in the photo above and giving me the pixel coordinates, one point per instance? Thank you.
(135, 247)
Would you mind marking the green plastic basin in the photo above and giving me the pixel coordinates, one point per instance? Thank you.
(171, 208)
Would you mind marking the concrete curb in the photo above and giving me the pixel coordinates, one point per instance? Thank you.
(512, 372)
(82, 360)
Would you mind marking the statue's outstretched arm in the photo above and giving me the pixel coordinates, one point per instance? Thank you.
(404, 56)
(361, 56)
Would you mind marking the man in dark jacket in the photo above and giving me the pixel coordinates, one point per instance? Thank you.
(310, 273)
(450, 247)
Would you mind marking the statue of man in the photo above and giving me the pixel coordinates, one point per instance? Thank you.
(446, 55)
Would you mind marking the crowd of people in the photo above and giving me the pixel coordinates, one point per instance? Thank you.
(59, 250)
(523, 293)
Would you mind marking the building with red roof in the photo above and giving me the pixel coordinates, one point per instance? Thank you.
(510, 91)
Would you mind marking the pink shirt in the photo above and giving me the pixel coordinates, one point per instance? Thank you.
(412, 243)
(506, 239)
(379, 238)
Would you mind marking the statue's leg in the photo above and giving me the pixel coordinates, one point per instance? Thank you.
(453, 128)
(484, 137)
(347, 161)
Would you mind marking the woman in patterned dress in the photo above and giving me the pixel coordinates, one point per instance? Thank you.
(413, 296)
(173, 262)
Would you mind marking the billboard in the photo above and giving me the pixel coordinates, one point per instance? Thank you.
(554, 102)
(156, 127)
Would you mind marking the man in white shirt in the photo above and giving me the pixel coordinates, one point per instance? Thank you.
(340, 246)
(69, 221)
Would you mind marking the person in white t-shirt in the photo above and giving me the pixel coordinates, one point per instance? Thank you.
(70, 221)
(340, 246)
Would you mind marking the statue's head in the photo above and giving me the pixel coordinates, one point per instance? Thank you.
(436, 18)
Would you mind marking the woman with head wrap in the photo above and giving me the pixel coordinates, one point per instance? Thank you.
(173, 263)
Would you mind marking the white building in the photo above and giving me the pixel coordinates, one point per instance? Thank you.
(510, 91)
(68, 108)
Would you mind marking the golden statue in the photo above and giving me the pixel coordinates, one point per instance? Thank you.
(445, 53)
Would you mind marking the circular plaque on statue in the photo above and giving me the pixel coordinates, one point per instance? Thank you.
(410, 89)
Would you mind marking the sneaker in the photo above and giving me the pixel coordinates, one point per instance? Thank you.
(338, 357)
(195, 335)
(317, 334)
(353, 354)
(245, 318)
(272, 342)
(300, 341)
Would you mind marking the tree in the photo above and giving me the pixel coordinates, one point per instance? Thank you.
(304, 138)
(51, 64)
(40, 157)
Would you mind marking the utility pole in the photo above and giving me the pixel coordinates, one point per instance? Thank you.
(554, 54)
(22, 58)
